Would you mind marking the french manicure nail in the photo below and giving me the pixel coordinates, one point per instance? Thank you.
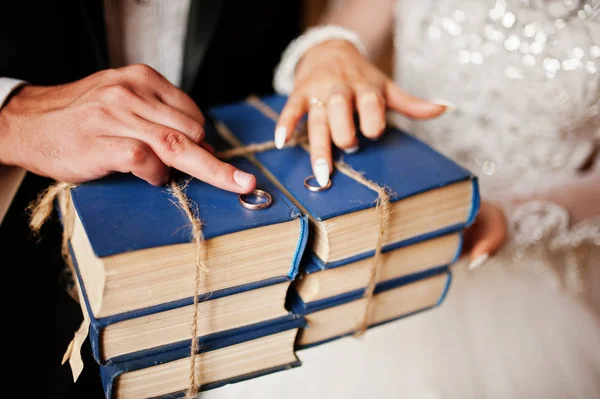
(351, 150)
(447, 104)
(478, 261)
(242, 179)
(321, 169)
(280, 136)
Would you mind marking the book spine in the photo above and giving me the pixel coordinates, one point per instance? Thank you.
(475, 202)
(300, 247)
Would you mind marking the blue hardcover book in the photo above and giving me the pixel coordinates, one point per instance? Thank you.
(430, 194)
(222, 361)
(136, 262)
(339, 316)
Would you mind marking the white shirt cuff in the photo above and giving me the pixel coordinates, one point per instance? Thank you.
(7, 86)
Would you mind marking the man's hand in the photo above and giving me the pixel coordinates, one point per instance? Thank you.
(129, 119)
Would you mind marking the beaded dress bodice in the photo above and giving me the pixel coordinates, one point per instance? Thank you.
(525, 78)
(524, 75)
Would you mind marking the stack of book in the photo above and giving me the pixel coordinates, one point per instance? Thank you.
(433, 200)
(135, 269)
(135, 263)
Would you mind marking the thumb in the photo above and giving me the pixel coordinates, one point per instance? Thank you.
(411, 106)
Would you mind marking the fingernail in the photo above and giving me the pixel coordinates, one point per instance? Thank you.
(478, 261)
(321, 169)
(351, 150)
(446, 104)
(242, 179)
(280, 136)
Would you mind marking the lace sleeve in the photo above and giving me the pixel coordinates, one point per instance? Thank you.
(560, 225)
(543, 229)
(568, 212)
(548, 223)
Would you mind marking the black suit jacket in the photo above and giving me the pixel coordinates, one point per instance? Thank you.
(231, 50)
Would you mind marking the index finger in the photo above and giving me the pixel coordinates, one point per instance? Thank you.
(177, 150)
(187, 157)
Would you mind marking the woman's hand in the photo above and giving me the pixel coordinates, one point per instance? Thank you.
(486, 236)
(130, 119)
(332, 80)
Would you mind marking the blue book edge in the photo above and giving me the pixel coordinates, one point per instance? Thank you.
(96, 325)
(314, 264)
(109, 373)
(439, 302)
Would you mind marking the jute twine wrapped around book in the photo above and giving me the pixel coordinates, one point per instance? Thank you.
(42, 209)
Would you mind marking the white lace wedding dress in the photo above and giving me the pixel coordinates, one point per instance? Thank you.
(525, 78)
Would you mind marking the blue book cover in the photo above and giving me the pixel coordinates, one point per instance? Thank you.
(110, 373)
(397, 161)
(298, 306)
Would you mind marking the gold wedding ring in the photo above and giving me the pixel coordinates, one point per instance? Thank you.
(259, 194)
(315, 189)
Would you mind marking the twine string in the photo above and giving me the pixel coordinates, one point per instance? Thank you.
(177, 189)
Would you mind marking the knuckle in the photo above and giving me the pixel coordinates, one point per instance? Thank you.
(173, 142)
(294, 102)
(141, 70)
(116, 94)
(137, 154)
(371, 98)
(337, 101)
(109, 74)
